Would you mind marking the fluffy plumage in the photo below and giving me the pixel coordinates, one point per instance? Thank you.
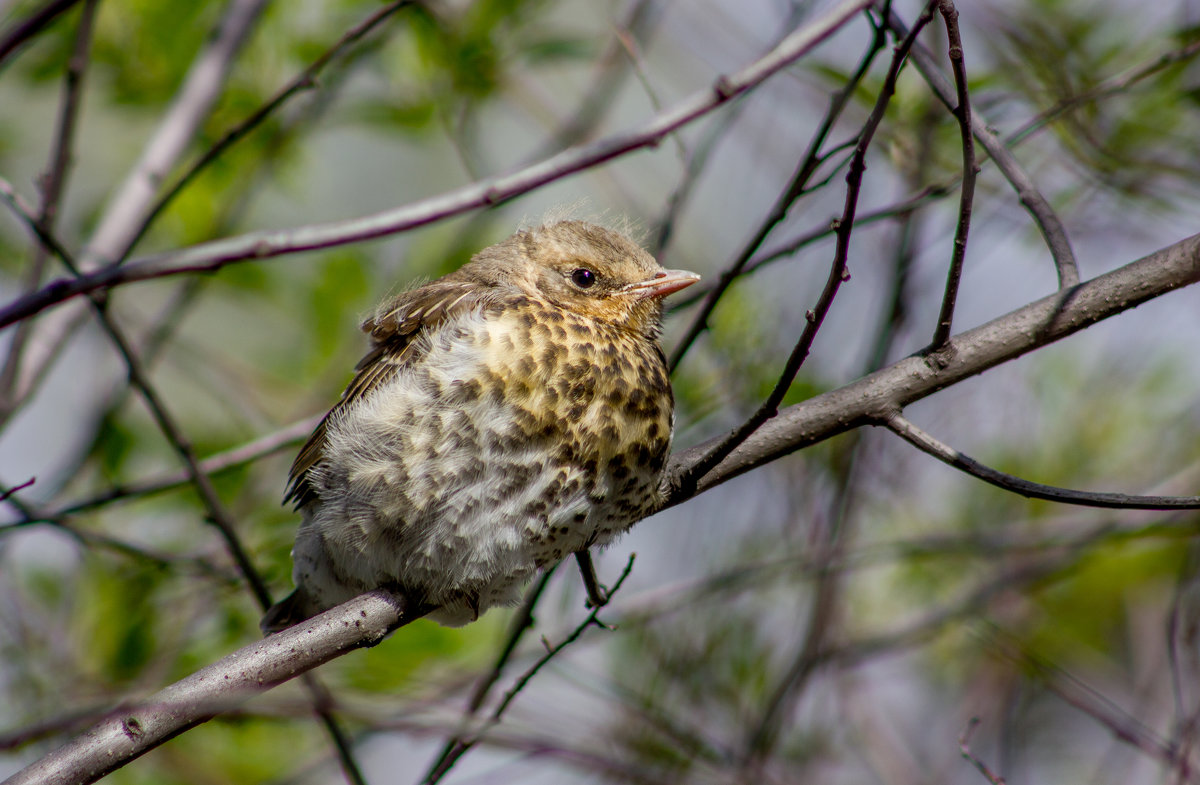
(506, 415)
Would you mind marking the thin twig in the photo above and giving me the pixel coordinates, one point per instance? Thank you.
(209, 257)
(871, 399)
(447, 762)
(964, 747)
(33, 24)
(1047, 221)
(837, 272)
(522, 622)
(899, 209)
(189, 108)
(53, 183)
(305, 80)
(1109, 87)
(808, 165)
(1032, 490)
(962, 112)
(214, 464)
(136, 728)
(217, 515)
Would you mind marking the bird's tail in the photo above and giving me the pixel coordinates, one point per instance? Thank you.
(292, 609)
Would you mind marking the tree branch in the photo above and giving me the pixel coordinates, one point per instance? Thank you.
(209, 257)
(871, 399)
(837, 270)
(1047, 221)
(133, 730)
(970, 169)
(900, 426)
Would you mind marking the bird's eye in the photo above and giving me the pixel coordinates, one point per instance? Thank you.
(583, 277)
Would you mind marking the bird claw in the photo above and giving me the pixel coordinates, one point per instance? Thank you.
(597, 593)
(598, 596)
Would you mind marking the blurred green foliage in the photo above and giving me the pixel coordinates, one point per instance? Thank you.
(258, 346)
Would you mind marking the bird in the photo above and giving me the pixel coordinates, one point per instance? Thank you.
(507, 415)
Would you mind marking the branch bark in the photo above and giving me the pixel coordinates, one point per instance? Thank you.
(133, 730)
(212, 256)
(872, 399)
(365, 620)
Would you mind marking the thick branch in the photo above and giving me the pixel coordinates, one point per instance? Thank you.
(873, 398)
(133, 730)
(209, 257)
(870, 400)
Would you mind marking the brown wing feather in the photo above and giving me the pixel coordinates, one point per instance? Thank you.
(394, 330)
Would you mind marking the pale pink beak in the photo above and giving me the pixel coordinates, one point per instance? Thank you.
(663, 283)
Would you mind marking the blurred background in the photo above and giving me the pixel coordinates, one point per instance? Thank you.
(838, 616)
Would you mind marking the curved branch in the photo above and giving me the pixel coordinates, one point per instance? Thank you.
(962, 111)
(871, 399)
(910, 433)
(210, 257)
(365, 620)
(1048, 222)
(133, 730)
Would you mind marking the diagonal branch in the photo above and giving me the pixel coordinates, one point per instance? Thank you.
(837, 271)
(305, 80)
(1047, 221)
(461, 747)
(366, 619)
(871, 399)
(906, 430)
(962, 111)
(18, 34)
(209, 257)
(795, 188)
(133, 730)
(53, 184)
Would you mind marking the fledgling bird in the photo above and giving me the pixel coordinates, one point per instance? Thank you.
(506, 415)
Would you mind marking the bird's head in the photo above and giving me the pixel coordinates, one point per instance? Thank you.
(593, 271)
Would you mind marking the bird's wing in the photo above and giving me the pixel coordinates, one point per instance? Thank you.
(394, 330)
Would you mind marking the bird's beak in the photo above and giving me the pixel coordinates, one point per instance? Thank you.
(663, 283)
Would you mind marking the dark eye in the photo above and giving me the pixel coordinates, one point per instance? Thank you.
(583, 277)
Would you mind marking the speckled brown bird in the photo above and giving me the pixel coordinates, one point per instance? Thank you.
(506, 415)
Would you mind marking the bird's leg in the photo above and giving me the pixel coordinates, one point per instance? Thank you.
(597, 594)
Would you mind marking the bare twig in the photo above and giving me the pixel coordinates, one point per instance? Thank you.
(609, 71)
(969, 170)
(837, 272)
(446, 762)
(199, 91)
(229, 459)
(809, 163)
(33, 24)
(1047, 221)
(1112, 501)
(964, 746)
(1109, 87)
(522, 622)
(217, 515)
(191, 105)
(53, 183)
(899, 209)
(7, 492)
(135, 729)
(873, 398)
(1123, 726)
(209, 257)
(305, 80)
